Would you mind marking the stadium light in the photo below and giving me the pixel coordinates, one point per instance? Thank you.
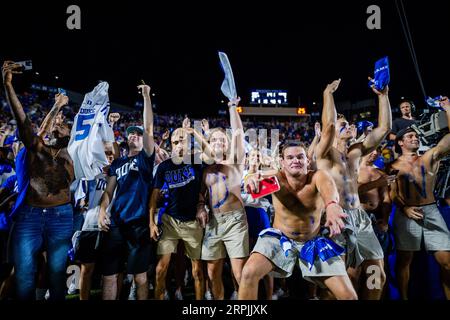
(301, 110)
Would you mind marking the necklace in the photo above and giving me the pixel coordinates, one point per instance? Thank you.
(56, 155)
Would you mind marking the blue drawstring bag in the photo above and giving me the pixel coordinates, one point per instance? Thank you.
(381, 75)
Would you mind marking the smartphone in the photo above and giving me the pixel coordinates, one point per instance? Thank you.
(267, 186)
(62, 91)
(26, 65)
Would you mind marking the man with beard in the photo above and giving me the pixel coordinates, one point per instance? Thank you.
(342, 161)
(45, 220)
(179, 222)
(417, 217)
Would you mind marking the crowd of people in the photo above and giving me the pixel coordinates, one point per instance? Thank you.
(243, 212)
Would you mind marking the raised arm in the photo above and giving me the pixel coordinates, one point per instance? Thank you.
(60, 101)
(329, 117)
(237, 128)
(23, 123)
(329, 114)
(442, 149)
(208, 153)
(312, 147)
(148, 139)
(378, 134)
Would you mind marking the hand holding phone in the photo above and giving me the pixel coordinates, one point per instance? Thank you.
(266, 186)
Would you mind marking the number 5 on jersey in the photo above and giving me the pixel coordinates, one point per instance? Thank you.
(84, 123)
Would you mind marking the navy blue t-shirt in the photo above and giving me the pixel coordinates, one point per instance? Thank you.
(183, 182)
(134, 180)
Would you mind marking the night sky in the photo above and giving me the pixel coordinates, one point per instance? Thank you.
(277, 45)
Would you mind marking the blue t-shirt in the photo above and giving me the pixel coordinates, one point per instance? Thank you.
(183, 182)
(134, 180)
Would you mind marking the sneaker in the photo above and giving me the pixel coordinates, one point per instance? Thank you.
(178, 295)
(133, 292)
(150, 286)
(47, 295)
(274, 296)
(72, 287)
(166, 295)
(234, 296)
(208, 295)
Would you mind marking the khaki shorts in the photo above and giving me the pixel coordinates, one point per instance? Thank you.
(226, 233)
(173, 230)
(408, 233)
(359, 238)
(270, 247)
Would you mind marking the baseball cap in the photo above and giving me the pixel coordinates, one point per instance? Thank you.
(399, 137)
(138, 129)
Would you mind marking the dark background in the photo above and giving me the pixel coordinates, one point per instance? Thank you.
(298, 46)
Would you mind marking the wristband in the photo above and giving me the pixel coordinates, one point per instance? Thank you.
(329, 203)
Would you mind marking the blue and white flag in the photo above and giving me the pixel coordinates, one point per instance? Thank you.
(435, 102)
(90, 129)
(382, 75)
(228, 87)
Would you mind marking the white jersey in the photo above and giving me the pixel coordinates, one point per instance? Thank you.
(90, 129)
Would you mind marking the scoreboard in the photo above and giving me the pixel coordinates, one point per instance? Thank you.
(269, 97)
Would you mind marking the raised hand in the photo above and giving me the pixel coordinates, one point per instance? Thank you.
(384, 92)
(317, 129)
(186, 123)
(445, 103)
(166, 135)
(332, 87)
(61, 100)
(234, 102)
(9, 68)
(113, 117)
(145, 90)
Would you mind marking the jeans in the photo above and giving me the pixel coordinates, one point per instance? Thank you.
(36, 230)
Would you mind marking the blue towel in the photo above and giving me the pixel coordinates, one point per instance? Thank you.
(318, 247)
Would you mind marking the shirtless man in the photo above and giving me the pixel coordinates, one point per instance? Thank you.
(299, 204)
(417, 215)
(227, 230)
(342, 162)
(374, 196)
(45, 217)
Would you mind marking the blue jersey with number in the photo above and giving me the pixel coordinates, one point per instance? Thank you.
(134, 181)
